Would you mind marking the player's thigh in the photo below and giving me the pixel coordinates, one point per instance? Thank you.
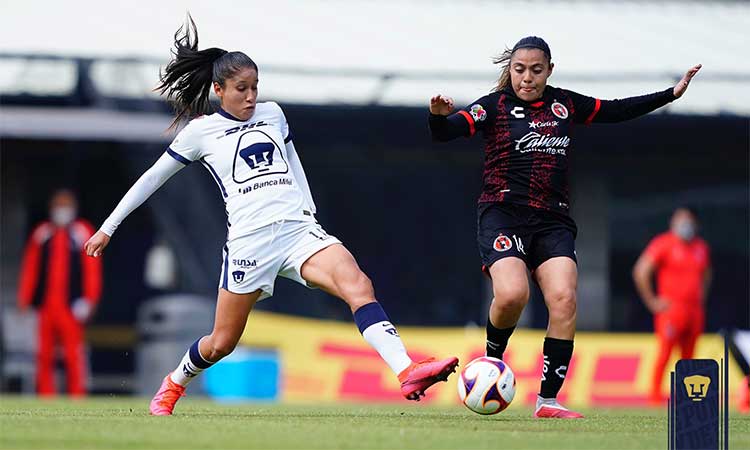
(558, 279)
(510, 283)
(335, 270)
(231, 316)
(501, 235)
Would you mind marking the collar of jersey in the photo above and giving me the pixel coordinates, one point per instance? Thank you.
(225, 114)
(508, 90)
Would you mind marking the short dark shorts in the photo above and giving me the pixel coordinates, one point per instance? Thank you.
(534, 235)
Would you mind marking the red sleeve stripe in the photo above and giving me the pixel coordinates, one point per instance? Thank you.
(594, 112)
(469, 119)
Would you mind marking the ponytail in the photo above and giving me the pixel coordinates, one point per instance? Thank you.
(503, 59)
(188, 77)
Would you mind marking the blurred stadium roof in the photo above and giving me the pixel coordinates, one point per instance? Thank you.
(385, 52)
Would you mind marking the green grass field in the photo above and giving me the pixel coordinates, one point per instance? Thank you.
(123, 423)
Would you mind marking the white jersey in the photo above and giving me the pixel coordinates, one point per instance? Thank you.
(254, 164)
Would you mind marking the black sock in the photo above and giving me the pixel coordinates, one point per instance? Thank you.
(497, 339)
(557, 353)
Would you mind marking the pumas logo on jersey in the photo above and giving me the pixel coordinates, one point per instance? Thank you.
(502, 243)
(245, 263)
(478, 113)
(539, 124)
(238, 276)
(560, 110)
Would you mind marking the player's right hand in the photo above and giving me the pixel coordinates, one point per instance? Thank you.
(441, 105)
(95, 246)
(658, 305)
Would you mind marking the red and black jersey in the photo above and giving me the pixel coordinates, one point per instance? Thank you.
(527, 144)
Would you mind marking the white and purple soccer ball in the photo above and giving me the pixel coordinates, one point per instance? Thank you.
(486, 385)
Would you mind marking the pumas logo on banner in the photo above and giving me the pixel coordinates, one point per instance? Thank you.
(560, 110)
(696, 387)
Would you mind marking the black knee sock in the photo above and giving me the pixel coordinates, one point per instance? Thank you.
(497, 339)
(557, 353)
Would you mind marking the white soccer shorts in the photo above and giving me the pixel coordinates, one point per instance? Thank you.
(253, 261)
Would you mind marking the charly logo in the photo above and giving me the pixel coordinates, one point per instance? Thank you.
(238, 276)
(560, 110)
(537, 142)
(478, 113)
(539, 124)
(502, 243)
(696, 387)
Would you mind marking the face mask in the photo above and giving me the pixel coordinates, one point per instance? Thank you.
(62, 215)
(685, 230)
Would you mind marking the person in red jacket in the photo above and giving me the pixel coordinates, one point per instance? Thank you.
(682, 265)
(64, 286)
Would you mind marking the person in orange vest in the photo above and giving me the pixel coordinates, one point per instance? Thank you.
(63, 286)
(682, 264)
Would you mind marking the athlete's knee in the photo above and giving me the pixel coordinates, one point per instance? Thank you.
(356, 289)
(509, 298)
(219, 346)
(562, 304)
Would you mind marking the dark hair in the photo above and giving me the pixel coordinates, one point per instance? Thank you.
(689, 209)
(188, 77)
(504, 58)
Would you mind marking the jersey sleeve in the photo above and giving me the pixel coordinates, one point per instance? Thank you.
(466, 122)
(286, 131)
(585, 108)
(589, 109)
(656, 250)
(294, 162)
(185, 147)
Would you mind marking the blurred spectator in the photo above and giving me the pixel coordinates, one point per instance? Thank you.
(63, 286)
(682, 264)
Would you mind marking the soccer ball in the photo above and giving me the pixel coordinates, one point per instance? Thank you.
(486, 385)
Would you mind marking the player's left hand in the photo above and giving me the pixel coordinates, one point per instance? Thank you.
(682, 86)
(82, 310)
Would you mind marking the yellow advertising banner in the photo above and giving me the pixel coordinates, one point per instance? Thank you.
(327, 361)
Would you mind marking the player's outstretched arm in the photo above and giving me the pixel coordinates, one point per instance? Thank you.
(682, 86)
(147, 184)
(445, 126)
(620, 110)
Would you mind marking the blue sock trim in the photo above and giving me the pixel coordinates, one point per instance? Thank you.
(369, 314)
(196, 358)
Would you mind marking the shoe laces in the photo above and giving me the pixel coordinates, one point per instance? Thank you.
(172, 394)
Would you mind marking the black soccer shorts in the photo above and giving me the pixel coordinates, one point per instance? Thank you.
(534, 235)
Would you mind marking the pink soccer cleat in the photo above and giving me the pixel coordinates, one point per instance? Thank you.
(163, 402)
(554, 410)
(419, 376)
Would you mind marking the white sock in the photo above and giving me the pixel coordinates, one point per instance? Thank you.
(552, 402)
(383, 337)
(191, 365)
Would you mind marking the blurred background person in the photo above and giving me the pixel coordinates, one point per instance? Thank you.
(63, 286)
(682, 265)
